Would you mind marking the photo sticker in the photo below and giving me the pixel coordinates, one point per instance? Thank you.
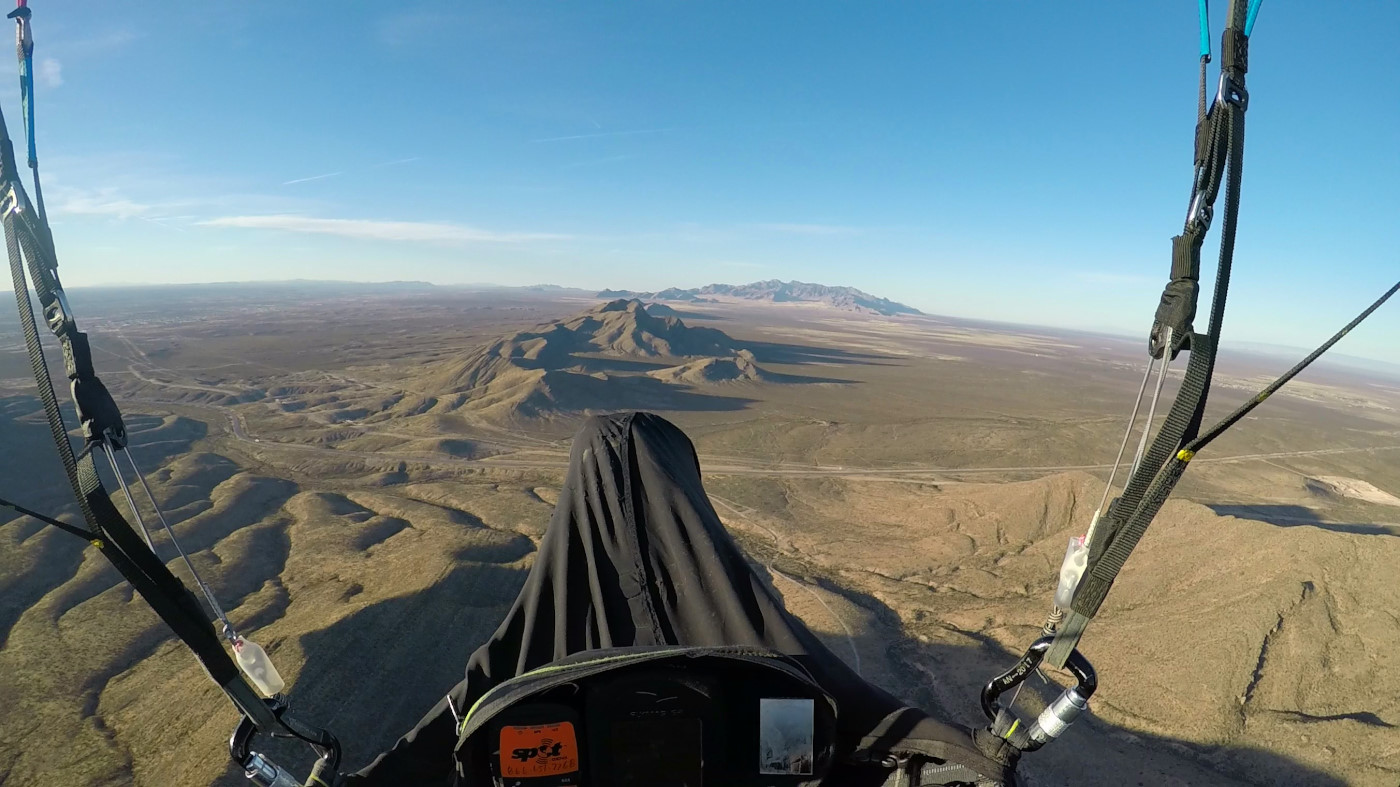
(785, 737)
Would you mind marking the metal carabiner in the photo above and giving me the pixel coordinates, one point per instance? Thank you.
(1231, 92)
(1057, 716)
(1201, 213)
(265, 773)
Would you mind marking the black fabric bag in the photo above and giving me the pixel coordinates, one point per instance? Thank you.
(635, 556)
(587, 686)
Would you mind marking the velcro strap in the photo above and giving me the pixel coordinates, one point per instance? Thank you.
(77, 355)
(1203, 138)
(1186, 256)
(1090, 595)
(1234, 51)
(923, 773)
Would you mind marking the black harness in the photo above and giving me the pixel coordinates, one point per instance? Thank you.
(692, 717)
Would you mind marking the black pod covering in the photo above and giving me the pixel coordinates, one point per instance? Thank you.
(635, 556)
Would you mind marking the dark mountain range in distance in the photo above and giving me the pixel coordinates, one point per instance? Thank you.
(774, 291)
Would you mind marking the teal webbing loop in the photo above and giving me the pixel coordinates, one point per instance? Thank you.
(24, 40)
(1253, 12)
(1205, 29)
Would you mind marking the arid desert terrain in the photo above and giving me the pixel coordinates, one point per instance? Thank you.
(362, 473)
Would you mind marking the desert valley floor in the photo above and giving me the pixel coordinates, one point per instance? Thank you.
(363, 473)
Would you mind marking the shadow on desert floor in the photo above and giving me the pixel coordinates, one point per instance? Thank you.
(1302, 516)
(580, 393)
(799, 354)
(371, 677)
(686, 314)
(32, 476)
(1093, 752)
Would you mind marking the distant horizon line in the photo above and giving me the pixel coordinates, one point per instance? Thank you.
(1336, 358)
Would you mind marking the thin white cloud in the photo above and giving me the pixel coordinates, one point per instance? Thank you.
(601, 161)
(98, 202)
(417, 28)
(100, 45)
(160, 221)
(630, 133)
(809, 229)
(368, 229)
(313, 177)
(50, 72)
(396, 161)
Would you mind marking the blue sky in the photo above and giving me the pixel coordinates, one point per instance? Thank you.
(1011, 161)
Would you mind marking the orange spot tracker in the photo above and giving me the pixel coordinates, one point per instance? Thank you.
(538, 750)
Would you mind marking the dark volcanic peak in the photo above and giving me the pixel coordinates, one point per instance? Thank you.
(774, 291)
(676, 294)
(661, 310)
(737, 368)
(621, 327)
(625, 327)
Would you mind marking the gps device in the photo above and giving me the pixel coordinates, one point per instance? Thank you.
(657, 728)
(662, 752)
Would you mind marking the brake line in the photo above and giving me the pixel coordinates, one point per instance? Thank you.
(1127, 437)
(229, 632)
(126, 493)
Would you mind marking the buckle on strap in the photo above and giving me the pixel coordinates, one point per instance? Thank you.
(919, 771)
(1231, 91)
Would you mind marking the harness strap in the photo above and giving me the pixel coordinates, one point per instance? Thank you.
(1219, 159)
(1106, 552)
(919, 773)
(1177, 309)
(1180, 438)
(26, 242)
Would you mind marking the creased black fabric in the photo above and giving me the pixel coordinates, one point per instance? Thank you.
(636, 555)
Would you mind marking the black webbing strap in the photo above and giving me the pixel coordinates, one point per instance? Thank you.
(1128, 535)
(1219, 156)
(1109, 551)
(107, 529)
(1177, 309)
(1180, 439)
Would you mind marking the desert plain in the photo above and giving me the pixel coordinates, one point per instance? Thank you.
(362, 474)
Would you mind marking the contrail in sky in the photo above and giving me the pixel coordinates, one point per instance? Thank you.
(313, 177)
(632, 133)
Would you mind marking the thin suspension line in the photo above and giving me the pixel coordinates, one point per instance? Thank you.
(204, 588)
